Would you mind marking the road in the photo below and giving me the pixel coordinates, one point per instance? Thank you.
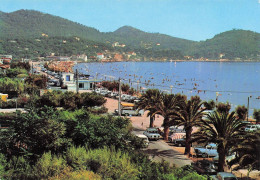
(158, 150)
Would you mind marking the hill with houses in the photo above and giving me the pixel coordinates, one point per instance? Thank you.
(22, 31)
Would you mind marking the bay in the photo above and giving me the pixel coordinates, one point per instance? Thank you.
(233, 82)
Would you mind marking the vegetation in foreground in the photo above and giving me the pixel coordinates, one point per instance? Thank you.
(46, 143)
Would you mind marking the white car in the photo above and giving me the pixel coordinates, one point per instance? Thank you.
(251, 128)
(152, 134)
(144, 138)
(224, 176)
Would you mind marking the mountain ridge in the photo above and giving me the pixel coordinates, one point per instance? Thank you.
(28, 24)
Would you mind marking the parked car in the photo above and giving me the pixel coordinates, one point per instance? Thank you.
(152, 133)
(229, 158)
(209, 151)
(224, 176)
(176, 129)
(133, 98)
(125, 97)
(130, 112)
(179, 142)
(144, 138)
(251, 128)
(204, 167)
(113, 94)
(175, 135)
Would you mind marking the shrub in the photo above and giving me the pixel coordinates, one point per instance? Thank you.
(18, 168)
(22, 75)
(76, 158)
(49, 165)
(3, 164)
(98, 110)
(76, 175)
(111, 164)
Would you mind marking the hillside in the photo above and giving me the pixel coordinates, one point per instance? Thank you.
(26, 26)
(140, 39)
(29, 23)
(231, 44)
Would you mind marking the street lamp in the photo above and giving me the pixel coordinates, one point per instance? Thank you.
(248, 106)
(171, 88)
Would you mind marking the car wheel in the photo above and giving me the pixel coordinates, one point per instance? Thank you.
(204, 155)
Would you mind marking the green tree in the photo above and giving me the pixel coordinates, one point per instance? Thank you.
(167, 105)
(12, 73)
(189, 116)
(247, 149)
(125, 87)
(241, 112)
(223, 108)
(222, 129)
(256, 115)
(34, 133)
(210, 105)
(148, 102)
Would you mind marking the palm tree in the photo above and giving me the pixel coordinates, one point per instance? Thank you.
(241, 112)
(167, 106)
(222, 129)
(190, 115)
(210, 105)
(148, 101)
(247, 150)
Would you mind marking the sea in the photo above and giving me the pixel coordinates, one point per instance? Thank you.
(235, 82)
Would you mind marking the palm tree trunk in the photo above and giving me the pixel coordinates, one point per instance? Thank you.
(166, 129)
(152, 121)
(221, 159)
(188, 139)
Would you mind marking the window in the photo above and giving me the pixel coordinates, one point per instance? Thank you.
(67, 77)
(81, 85)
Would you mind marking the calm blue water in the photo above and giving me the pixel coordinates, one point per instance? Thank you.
(234, 81)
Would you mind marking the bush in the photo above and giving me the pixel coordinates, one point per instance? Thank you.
(76, 175)
(111, 164)
(22, 75)
(3, 164)
(49, 165)
(18, 168)
(76, 158)
(98, 110)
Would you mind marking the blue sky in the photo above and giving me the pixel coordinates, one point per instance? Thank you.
(188, 19)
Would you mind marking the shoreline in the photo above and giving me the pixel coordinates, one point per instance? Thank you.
(179, 60)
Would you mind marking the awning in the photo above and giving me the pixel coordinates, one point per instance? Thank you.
(127, 104)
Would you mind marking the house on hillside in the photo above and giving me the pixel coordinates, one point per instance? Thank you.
(5, 59)
(88, 84)
(100, 56)
(3, 68)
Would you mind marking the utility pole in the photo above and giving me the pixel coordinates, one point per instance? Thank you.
(248, 106)
(32, 67)
(119, 98)
(77, 81)
(217, 93)
(137, 85)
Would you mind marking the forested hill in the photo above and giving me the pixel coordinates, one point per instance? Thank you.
(231, 44)
(29, 23)
(137, 38)
(25, 25)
